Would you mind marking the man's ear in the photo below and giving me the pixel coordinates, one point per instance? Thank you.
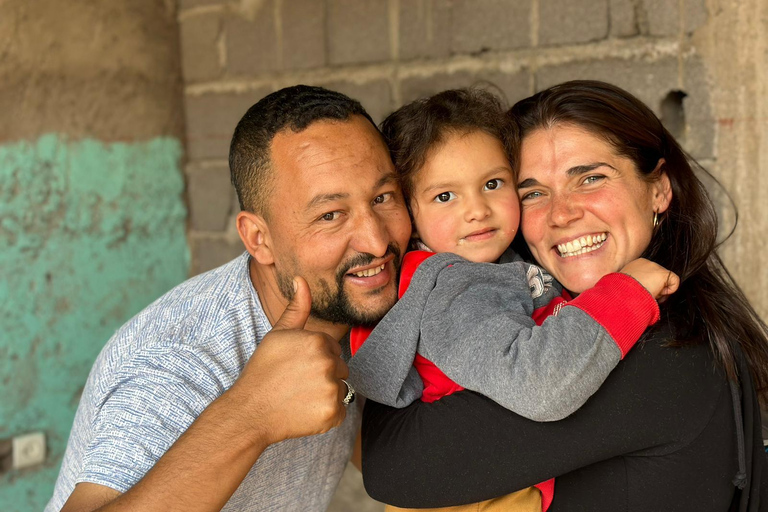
(254, 232)
(662, 189)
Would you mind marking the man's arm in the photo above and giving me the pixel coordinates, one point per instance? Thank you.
(290, 388)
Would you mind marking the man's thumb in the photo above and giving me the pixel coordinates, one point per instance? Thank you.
(296, 313)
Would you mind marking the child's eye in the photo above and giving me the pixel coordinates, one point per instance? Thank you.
(445, 197)
(493, 184)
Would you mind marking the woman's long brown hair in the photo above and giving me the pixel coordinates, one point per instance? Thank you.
(709, 307)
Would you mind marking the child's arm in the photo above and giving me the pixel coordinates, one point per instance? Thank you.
(477, 328)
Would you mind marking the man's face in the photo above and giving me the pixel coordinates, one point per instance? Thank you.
(337, 218)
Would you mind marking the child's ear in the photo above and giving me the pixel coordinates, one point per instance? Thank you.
(254, 232)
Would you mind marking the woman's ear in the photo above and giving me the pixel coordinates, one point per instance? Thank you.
(254, 232)
(661, 188)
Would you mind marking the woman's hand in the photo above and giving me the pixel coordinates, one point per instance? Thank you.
(659, 281)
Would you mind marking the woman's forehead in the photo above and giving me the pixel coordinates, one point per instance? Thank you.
(560, 148)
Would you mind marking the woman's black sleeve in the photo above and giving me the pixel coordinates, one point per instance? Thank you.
(465, 448)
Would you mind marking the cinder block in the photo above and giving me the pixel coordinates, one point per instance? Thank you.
(511, 87)
(209, 194)
(209, 252)
(483, 25)
(303, 23)
(358, 31)
(186, 4)
(663, 17)
(376, 96)
(623, 19)
(696, 14)
(649, 81)
(211, 120)
(425, 29)
(252, 43)
(572, 21)
(199, 47)
(697, 105)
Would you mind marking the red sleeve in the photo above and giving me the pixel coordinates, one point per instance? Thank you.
(622, 306)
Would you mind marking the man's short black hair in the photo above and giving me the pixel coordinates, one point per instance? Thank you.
(294, 108)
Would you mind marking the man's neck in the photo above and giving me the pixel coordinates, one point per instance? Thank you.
(274, 303)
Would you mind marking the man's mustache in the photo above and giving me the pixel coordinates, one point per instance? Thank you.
(365, 258)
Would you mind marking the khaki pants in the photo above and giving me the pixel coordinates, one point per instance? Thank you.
(527, 500)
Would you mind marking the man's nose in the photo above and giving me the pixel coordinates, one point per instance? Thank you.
(371, 235)
(564, 209)
(476, 208)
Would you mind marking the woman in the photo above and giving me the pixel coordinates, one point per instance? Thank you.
(676, 426)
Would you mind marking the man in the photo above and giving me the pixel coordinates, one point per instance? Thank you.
(209, 392)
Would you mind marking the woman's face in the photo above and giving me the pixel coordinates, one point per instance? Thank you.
(585, 210)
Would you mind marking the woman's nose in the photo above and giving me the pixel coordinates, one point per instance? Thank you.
(564, 209)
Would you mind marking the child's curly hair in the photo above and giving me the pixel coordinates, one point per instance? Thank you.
(418, 127)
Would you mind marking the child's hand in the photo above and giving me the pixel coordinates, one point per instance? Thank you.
(659, 281)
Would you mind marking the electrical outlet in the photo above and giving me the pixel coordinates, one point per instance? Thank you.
(28, 450)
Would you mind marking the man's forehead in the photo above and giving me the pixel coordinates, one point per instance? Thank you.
(327, 143)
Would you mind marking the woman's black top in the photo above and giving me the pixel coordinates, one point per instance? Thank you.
(660, 435)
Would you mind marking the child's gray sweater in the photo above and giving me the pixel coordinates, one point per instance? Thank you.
(473, 321)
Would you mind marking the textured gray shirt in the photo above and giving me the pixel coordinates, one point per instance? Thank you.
(473, 321)
(162, 369)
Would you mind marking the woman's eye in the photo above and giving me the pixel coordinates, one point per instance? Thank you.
(330, 216)
(445, 197)
(493, 184)
(530, 195)
(593, 179)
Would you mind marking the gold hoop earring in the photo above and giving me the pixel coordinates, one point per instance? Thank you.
(655, 219)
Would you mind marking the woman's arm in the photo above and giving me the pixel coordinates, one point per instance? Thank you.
(465, 448)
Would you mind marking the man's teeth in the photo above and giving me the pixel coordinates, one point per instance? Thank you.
(370, 272)
(581, 245)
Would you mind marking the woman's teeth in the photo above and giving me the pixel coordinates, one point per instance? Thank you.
(370, 272)
(581, 245)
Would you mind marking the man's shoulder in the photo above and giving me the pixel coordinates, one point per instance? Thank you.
(214, 311)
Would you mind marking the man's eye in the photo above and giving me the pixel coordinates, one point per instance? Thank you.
(330, 216)
(383, 198)
(445, 197)
(493, 184)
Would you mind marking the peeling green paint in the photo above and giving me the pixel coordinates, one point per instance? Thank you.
(90, 233)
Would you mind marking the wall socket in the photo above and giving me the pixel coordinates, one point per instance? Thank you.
(28, 450)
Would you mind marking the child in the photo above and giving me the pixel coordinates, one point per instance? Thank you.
(478, 321)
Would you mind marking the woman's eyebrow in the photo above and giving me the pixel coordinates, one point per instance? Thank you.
(573, 171)
(581, 169)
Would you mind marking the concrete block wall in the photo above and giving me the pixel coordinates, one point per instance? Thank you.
(388, 52)
(92, 212)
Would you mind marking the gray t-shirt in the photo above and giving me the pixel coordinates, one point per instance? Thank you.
(162, 369)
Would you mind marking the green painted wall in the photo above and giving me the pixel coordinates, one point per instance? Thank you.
(90, 233)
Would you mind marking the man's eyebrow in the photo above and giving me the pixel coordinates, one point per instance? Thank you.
(573, 171)
(325, 198)
(386, 179)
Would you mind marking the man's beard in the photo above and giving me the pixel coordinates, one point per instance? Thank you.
(334, 306)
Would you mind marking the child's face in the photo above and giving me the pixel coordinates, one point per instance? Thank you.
(464, 199)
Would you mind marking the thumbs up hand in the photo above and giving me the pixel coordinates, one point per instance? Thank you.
(292, 387)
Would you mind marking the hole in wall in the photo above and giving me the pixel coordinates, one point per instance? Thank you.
(673, 114)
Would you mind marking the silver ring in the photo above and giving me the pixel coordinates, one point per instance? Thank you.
(350, 394)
